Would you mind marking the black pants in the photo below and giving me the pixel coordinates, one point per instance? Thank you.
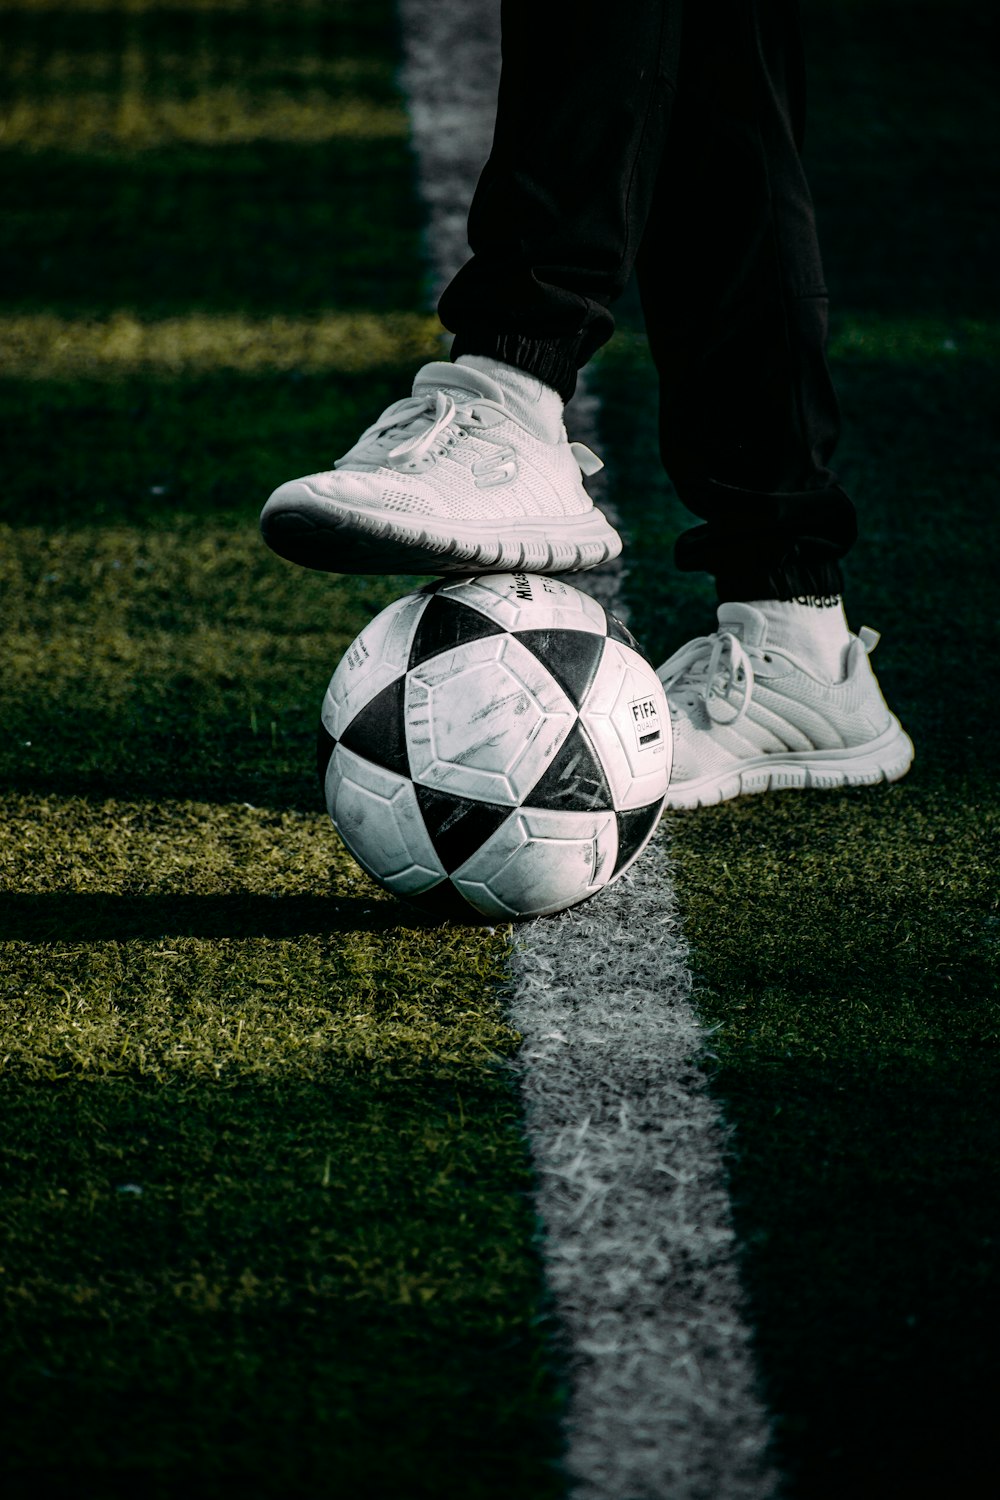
(665, 135)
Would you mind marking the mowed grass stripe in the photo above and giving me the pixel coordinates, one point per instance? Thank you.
(222, 159)
(173, 657)
(246, 10)
(125, 878)
(130, 78)
(845, 944)
(221, 116)
(265, 1209)
(42, 346)
(185, 456)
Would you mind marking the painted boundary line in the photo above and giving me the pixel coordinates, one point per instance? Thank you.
(626, 1142)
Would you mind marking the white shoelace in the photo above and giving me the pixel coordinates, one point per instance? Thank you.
(446, 418)
(713, 667)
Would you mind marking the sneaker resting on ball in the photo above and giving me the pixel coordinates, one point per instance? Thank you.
(749, 717)
(470, 474)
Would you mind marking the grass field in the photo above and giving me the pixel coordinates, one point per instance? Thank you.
(265, 1209)
(847, 947)
(264, 1185)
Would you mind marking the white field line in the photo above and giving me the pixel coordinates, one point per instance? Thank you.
(627, 1144)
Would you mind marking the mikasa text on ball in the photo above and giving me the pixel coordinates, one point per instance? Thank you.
(495, 747)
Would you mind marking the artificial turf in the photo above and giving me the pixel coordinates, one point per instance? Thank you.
(264, 1214)
(264, 1187)
(845, 945)
(263, 1178)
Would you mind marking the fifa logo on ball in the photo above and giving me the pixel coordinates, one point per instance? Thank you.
(646, 717)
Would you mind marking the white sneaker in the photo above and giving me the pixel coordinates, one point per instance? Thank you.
(448, 481)
(748, 717)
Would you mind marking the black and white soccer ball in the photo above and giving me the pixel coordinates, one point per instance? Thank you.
(495, 747)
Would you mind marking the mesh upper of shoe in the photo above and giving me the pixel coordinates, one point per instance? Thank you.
(406, 505)
(767, 706)
(441, 481)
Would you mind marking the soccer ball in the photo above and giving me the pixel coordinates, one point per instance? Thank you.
(495, 747)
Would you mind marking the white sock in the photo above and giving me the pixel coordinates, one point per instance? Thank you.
(815, 634)
(532, 403)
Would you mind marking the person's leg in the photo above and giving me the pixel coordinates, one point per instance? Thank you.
(732, 287)
(781, 695)
(474, 472)
(561, 205)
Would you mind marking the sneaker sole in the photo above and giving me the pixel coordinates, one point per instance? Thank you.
(885, 759)
(318, 533)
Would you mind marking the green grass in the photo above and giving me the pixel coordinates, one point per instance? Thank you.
(264, 1215)
(846, 946)
(264, 1183)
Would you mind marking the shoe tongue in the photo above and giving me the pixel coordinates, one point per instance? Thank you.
(456, 380)
(749, 625)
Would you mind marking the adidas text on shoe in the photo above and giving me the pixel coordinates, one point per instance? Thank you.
(446, 481)
(747, 717)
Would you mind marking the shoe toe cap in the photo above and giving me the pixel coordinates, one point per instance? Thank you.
(314, 490)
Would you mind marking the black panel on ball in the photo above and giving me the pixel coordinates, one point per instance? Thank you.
(633, 828)
(575, 780)
(458, 826)
(446, 903)
(324, 749)
(619, 632)
(378, 731)
(572, 656)
(446, 624)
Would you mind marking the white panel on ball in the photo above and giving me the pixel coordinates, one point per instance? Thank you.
(529, 601)
(377, 657)
(376, 811)
(626, 714)
(540, 862)
(484, 719)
